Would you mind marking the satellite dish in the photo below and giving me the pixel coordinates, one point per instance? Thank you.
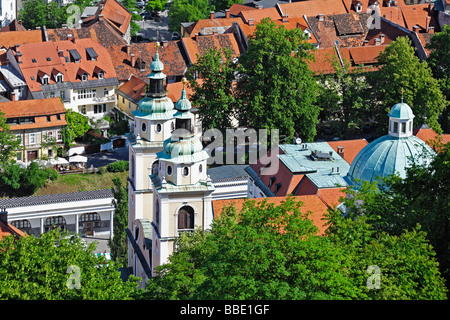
(298, 141)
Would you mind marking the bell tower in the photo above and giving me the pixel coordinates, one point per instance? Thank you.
(154, 123)
(181, 188)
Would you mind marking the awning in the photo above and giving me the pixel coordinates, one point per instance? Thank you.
(78, 159)
(58, 161)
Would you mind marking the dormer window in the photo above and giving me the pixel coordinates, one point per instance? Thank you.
(82, 74)
(59, 78)
(45, 79)
(101, 75)
(359, 7)
(84, 77)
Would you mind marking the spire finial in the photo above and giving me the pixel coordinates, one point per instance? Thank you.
(402, 93)
(157, 45)
(184, 81)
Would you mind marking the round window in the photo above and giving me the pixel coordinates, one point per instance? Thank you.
(144, 126)
(158, 127)
(169, 170)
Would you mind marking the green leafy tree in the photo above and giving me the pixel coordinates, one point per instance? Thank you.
(155, 5)
(132, 7)
(187, 11)
(342, 96)
(223, 4)
(39, 13)
(77, 126)
(274, 252)
(58, 266)
(9, 144)
(119, 243)
(213, 95)
(403, 71)
(419, 199)
(276, 89)
(439, 62)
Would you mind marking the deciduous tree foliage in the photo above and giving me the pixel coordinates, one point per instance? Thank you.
(9, 144)
(119, 243)
(187, 11)
(439, 62)
(77, 126)
(212, 92)
(402, 70)
(274, 252)
(275, 87)
(38, 13)
(36, 268)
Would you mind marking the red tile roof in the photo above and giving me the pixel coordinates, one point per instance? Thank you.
(312, 204)
(170, 53)
(351, 148)
(10, 38)
(204, 43)
(331, 196)
(313, 8)
(429, 136)
(236, 8)
(114, 13)
(51, 55)
(208, 26)
(259, 14)
(134, 87)
(10, 230)
(38, 108)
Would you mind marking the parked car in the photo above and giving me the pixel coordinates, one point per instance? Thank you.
(146, 15)
(175, 36)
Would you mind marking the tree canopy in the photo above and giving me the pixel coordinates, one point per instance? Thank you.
(274, 252)
(276, 88)
(403, 71)
(187, 11)
(39, 13)
(77, 126)
(58, 266)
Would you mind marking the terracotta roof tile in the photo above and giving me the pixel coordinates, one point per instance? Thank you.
(113, 12)
(429, 136)
(204, 43)
(11, 38)
(313, 8)
(10, 230)
(389, 32)
(259, 14)
(170, 53)
(351, 148)
(208, 26)
(38, 108)
(134, 87)
(331, 196)
(57, 53)
(311, 204)
(237, 8)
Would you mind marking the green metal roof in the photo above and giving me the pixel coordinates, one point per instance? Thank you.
(401, 111)
(149, 105)
(157, 65)
(388, 155)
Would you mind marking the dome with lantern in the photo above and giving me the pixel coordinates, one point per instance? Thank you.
(390, 154)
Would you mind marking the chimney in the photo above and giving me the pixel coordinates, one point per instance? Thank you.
(164, 44)
(377, 41)
(227, 13)
(321, 17)
(381, 38)
(211, 14)
(340, 150)
(19, 21)
(260, 7)
(427, 24)
(284, 18)
(365, 42)
(3, 215)
(13, 96)
(416, 29)
(251, 22)
(196, 37)
(127, 48)
(100, 17)
(133, 59)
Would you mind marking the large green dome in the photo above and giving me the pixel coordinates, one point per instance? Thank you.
(401, 111)
(385, 156)
(183, 151)
(158, 107)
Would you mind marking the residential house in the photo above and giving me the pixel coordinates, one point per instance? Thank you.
(306, 169)
(80, 72)
(113, 13)
(7, 12)
(37, 123)
(135, 59)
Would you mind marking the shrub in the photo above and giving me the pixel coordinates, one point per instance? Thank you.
(119, 166)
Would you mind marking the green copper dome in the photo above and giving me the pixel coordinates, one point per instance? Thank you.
(388, 155)
(158, 108)
(183, 104)
(157, 65)
(183, 151)
(401, 111)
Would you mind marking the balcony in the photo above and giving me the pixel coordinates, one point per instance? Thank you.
(110, 98)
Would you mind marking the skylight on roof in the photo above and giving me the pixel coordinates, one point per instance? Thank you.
(48, 59)
(75, 55)
(33, 60)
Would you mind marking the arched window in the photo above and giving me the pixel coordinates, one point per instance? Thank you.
(157, 212)
(155, 167)
(186, 218)
(54, 223)
(172, 126)
(185, 171)
(169, 170)
(200, 168)
(90, 217)
(23, 225)
(158, 127)
(144, 126)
